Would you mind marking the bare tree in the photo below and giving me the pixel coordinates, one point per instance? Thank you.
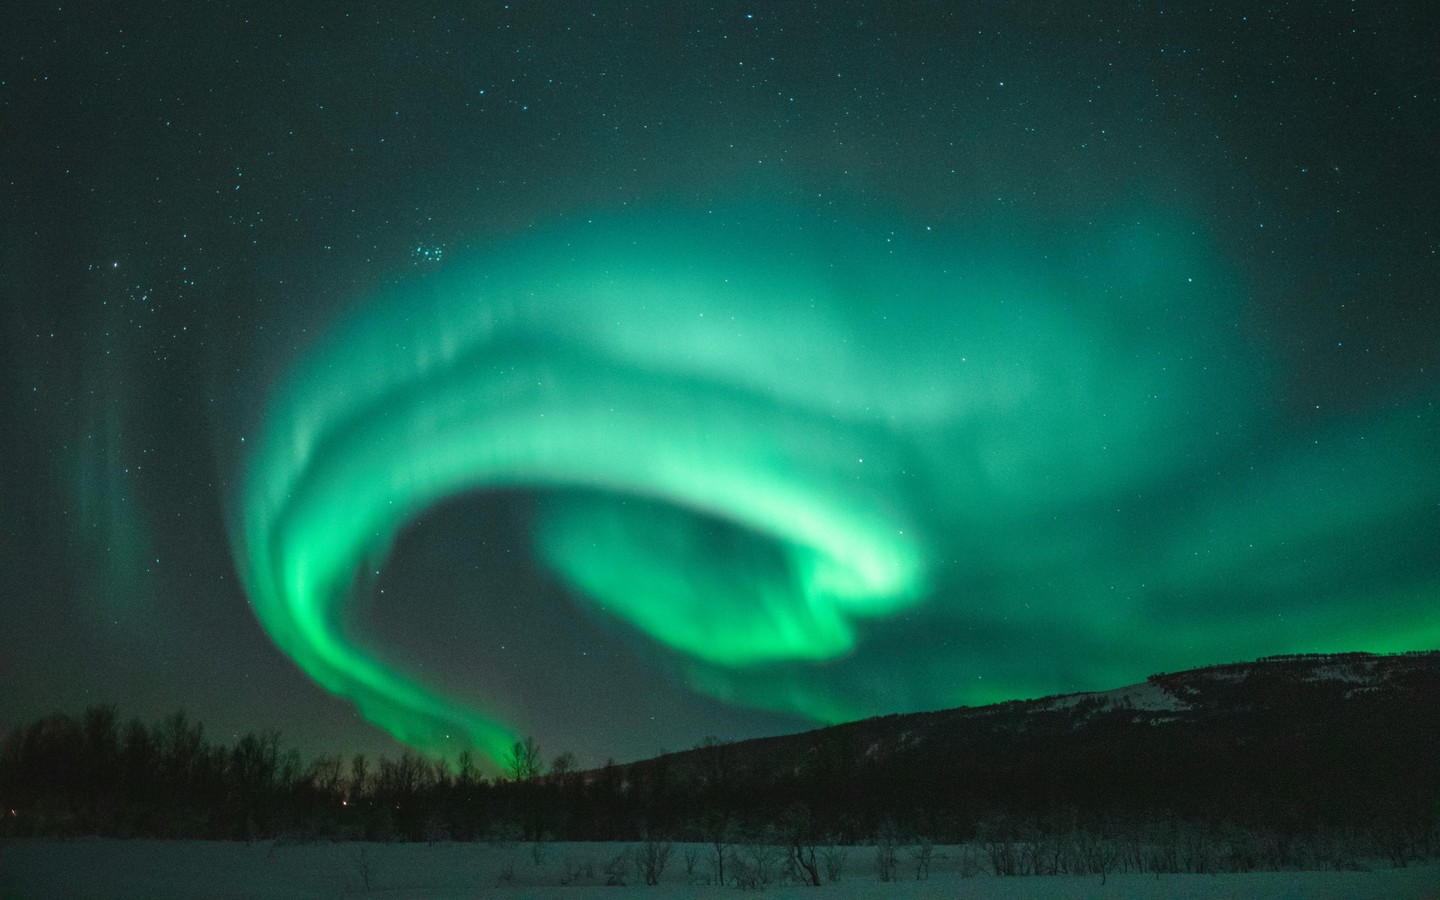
(326, 773)
(921, 854)
(834, 854)
(466, 775)
(524, 762)
(359, 776)
(719, 832)
(887, 840)
(563, 765)
(650, 858)
(799, 837)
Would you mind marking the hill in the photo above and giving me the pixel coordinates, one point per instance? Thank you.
(1292, 743)
(1262, 758)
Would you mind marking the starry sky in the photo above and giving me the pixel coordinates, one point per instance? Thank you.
(623, 374)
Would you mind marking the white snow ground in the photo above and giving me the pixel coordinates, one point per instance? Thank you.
(106, 868)
(1143, 696)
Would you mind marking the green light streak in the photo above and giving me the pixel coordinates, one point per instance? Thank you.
(769, 439)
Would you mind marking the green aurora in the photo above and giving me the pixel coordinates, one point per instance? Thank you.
(839, 466)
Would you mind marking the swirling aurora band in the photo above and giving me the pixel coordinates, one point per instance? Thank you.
(877, 418)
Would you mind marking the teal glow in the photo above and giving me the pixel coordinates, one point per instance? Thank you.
(767, 436)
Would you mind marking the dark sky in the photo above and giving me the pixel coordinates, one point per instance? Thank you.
(624, 374)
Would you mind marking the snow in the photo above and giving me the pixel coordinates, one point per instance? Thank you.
(106, 868)
(1141, 697)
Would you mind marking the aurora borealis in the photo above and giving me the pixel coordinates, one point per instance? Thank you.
(621, 391)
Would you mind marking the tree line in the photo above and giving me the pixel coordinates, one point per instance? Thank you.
(1272, 768)
(63, 776)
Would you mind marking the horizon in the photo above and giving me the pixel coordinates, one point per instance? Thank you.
(496, 770)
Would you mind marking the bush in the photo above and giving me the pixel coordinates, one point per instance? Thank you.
(833, 856)
(650, 859)
(887, 840)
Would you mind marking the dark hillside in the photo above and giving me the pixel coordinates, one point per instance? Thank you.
(1309, 748)
(1294, 742)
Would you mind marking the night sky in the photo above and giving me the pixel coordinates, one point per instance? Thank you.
(623, 374)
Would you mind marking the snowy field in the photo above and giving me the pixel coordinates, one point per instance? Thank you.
(105, 868)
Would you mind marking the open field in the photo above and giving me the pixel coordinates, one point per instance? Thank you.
(108, 868)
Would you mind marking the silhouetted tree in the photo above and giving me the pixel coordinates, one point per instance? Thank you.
(563, 764)
(524, 762)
